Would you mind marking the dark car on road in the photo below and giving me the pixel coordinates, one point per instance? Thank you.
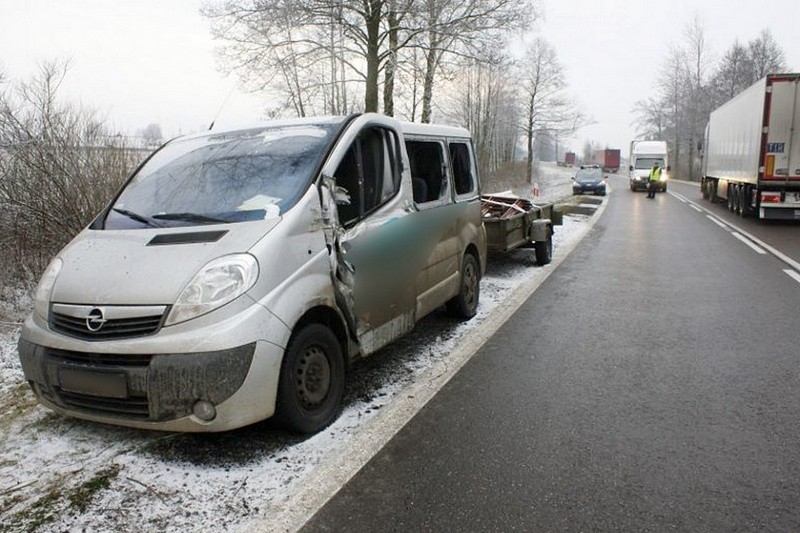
(589, 179)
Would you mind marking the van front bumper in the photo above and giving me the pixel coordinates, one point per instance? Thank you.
(156, 383)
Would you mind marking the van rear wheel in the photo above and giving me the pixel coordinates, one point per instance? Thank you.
(465, 304)
(311, 385)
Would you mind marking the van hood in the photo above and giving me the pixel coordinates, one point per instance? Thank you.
(145, 266)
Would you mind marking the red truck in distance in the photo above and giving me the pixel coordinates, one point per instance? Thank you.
(608, 159)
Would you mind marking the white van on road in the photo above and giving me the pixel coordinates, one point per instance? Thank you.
(237, 273)
(641, 157)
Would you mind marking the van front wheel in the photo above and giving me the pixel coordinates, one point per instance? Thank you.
(311, 384)
(465, 304)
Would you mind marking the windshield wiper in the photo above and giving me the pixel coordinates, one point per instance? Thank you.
(191, 217)
(149, 221)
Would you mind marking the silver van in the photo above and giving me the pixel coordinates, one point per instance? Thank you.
(238, 273)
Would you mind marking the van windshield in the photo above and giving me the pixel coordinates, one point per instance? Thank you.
(222, 178)
(646, 163)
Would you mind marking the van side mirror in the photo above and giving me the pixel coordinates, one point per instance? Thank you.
(630, 168)
(669, 168)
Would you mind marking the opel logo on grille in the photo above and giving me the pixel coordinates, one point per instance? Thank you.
(95, 319)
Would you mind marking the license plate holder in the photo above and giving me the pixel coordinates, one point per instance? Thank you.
(93, 383)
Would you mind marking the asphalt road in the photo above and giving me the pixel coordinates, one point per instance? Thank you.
(651, 383)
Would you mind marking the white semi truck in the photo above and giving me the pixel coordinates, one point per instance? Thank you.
(641, 157)
(751, 154)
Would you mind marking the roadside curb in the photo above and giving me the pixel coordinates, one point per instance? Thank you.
(325, 479)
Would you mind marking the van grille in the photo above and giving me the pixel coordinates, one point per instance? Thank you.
(113, 323)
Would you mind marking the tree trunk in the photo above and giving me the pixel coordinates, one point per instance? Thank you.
(529, 133)
(373, 20)
(427, 88)
(391, 66)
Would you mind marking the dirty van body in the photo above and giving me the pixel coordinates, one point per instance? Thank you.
(238, 273)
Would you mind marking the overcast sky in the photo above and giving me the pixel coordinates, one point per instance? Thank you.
(145, 61)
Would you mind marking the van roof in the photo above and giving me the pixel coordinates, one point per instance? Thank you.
(649, 147)
(408, 128)
(415, 128)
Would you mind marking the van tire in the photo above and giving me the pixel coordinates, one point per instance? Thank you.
(465, 304)
(311, 385)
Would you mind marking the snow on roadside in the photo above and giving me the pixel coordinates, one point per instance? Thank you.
(64, 474)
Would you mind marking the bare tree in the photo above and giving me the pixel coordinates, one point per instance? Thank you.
(463, 28)
(545, 104)
(699, 102)
(308, 47)
(765, 56)
(311, 50)
(733, 74)
(650, 118)
(588, 151)
(488, 106)
(58, 167)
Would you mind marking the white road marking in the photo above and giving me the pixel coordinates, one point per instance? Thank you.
(716, 221)
(770, 249)
(696, 208)
(793, 274)
(748, 243)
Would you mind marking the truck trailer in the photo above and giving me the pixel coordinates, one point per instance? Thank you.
(608, 159)
(751, 153)
(569, 159)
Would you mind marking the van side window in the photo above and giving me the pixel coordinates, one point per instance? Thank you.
(463, 168)
(369, 173)
(428, 175)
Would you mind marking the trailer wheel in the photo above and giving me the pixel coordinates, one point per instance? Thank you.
(712, 191)
(544, 250)
(747, 194)
(311, 385)
(731, 198)
(465, 303)
(740, 200)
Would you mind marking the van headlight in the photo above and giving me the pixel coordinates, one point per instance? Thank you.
(219, 282)
(41, 300)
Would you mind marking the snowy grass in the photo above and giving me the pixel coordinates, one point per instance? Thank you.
(69, 475)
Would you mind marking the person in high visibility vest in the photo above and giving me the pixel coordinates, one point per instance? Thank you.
(655, 177)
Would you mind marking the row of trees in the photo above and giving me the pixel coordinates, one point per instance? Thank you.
(59, 166)
(693, 84)
(400, 57)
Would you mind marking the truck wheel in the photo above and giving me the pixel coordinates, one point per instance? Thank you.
(544, 250)
(747, 194)
(731, 198)
(465, 304)
(739, 200)
(311, 383)
(705, 189)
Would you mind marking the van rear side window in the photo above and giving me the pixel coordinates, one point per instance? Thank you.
(463, 168)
